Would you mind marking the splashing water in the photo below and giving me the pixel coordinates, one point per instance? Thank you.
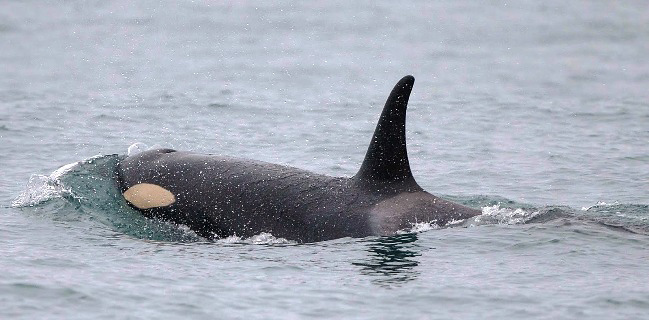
(136, 148)
(41, 188)
(262, 238)
(497, 215)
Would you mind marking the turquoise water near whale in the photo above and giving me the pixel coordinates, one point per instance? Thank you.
(536, 112)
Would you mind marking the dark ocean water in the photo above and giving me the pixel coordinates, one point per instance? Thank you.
(536, 112)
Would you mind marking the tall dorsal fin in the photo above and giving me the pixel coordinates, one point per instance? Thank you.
(387, 158)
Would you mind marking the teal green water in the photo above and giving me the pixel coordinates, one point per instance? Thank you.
(537, 113)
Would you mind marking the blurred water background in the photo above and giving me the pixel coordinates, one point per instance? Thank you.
(536, 112)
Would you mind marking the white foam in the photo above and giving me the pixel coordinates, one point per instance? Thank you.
(497, 215)
(490, 215)
(58, 173)
(136, 148)
(419, 227)
(39, 189)
(600, 204)
(262, 238)
(424, 226)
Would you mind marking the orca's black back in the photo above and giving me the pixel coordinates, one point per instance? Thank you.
(223, 196)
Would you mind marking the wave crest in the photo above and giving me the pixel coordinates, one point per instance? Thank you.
(41, 188)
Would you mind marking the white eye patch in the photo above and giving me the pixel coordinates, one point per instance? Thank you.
(146, 195)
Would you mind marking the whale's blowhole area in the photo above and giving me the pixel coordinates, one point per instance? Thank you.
(148, 195)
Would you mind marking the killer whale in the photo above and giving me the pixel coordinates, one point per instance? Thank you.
(220, 196)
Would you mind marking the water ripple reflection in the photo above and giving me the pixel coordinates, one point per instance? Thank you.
(392, 260)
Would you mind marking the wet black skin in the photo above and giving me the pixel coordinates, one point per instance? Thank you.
(219, 196)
